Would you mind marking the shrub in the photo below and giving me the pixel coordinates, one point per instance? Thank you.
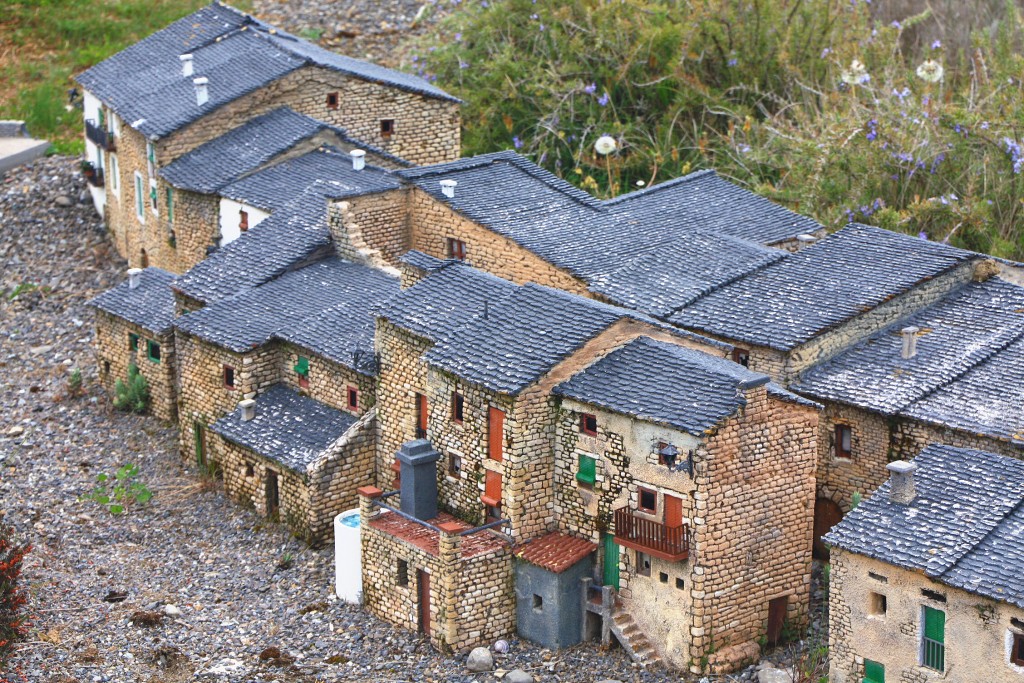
(12, 598)
(119, 491)
(75, 382)
(133, 395)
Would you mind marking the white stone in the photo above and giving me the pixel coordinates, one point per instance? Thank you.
(172, 611)
(518, 676)
(227, 667)
(770, 675)
(479, 659)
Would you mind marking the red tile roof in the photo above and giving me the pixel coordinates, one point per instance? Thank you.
(426, 539)
(555, 552)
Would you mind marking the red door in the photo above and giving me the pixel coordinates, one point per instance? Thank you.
(673, 511)
(776, 619)
(423, 583)
(421, 416)
(826, 515)
(495, 434)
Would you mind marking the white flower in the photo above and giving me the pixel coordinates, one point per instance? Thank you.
(605, 145)
(640, 183)
(930, 71)
(857, 74)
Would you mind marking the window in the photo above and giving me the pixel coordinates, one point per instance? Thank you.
(648, 500)
(663, 577)
(588, 424)
(133, 341)
(680, 584)
(402, 573)
(250, 471)
(302, 371)
(454, 465)
(422, 413)
(152, 351)
(538, 603)
(332, 100)
(387, 128)
(741, 356)
(229, 377)
(170, 206)
(844, 442)
(140, 206)
(106, 367)
(353, 398)
(587, 474)
(243, 220)
(495, 434)
(143, 259)
(1017, 649)
(113, 174)
(396, 468)
(873, 672)
(877, 605)
(153, 205)
(643, 564)
(150, 158)
(933, 595)
(458, 403)
(878, 577)
(933, 646)
(456, 249)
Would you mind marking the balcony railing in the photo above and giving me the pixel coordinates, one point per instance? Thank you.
(94, 177)
(670, 543)
(99, 136)
(934, 654)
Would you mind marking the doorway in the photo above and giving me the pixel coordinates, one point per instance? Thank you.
(273, 499)
(826, 515)
(611, 562)
(199, 437)
(423, 588)
(776, 619)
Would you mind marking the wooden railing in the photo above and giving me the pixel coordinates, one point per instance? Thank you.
(667, 542)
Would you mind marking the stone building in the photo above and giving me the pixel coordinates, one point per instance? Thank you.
(211, 72)
(925, 582)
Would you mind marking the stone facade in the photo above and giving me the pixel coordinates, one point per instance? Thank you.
(979, 632)
(371, 228)
(114, 353)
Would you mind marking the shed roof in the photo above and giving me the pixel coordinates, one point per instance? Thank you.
(150, 305)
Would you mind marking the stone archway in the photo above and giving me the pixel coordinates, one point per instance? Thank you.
(827, 513)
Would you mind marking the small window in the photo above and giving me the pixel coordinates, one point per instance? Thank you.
(878, 577)
(458, 402)
(587, 474)
(741, 356)
(456, 249)
(844, 442)
(140, 212)
(302, 371)
(402, 573)
(353, 398)
(643, 564)
(538, 603)
(152, 351)
(454, 465)
(588, 424)
(648, 500)
(243, 220)
(396, 469)
(229, 377)
(1017, 649)
(663, 577)
(106, 367)
(170, 206)
(877, 605)
(150, 158)
(387, 128)
(133, 341)
(249, 470)
(114, 174)
(153, 204)
(332, 100)
(680, 584)
(933, 595)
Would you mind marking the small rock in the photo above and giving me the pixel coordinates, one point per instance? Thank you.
(770, 675)
(480, 659)
(501, 646)
(64, 201)
(16, 430)
(518, 676)
(39, 350)
(172, 611)
(226, 667)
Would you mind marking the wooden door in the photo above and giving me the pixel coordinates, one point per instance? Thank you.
(422, 413)
(826, 515)
(199, 436)
(611, 562)
(273, 499)
(495, 434)
(673, 511)
(776, 619)
(423, 588)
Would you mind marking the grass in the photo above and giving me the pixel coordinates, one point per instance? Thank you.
(43, 43)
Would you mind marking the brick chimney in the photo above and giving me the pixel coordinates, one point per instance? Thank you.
(358, 159)
(448, 188)
(910, 341)
(419, 478)
(186, 64)
(202, 92)
(248, 407)
(901, 478)
(134, 277)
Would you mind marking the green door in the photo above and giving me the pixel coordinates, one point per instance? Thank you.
(199, 435)
(934, 650)
(873, 672)
(611, 562)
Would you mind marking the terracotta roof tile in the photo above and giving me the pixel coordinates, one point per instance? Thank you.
(426, 539)
(555, 552)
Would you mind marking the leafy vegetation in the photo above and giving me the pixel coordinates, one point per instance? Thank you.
(806, 101)
(118, 492)
(12, 598)
(132, 395)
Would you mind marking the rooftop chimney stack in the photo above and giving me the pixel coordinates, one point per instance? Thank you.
(358, 159)
(418, 462)
(901, 478)
(186, 64)
(202, 92)
(448, 188)
(910, 341)
(248, 407)
(134, 277)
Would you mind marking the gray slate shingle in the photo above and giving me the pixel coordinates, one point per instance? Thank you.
(965, 528)
(290, 429)
(150, 305)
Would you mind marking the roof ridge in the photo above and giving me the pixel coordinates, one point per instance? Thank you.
(673, 182)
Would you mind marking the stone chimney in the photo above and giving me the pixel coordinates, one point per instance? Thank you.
(186, 64)
(419, 478)
(202, 92)
(448, 187)
(248, 407)
(910, 341)
(901, 478)
(134, 277)
(358, 159)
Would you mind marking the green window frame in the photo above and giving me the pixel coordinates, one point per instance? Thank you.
(140, 207)
(150, 152)
(302, 366)
(170, 205)
(133, 341)
(587, 473)
(933, 646)
(874, 672)
(153, 350)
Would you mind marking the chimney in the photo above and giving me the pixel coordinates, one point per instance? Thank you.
(910, 341)
(202, 93)
(248, 407)
(419, 478)
(358, 159)
(806, 238)
(186, 65)
(134, 277)
(901, 476)
(448, 187)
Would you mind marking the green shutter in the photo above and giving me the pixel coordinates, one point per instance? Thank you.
(153, 351)
(133, 341)
(138, 195)
(302, 367)
(935, 625)
(170, 205)
(873, 672)
(588, 469)
(151, 153)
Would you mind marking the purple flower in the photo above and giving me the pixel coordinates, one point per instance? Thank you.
(984, 125)
(463, 65)
(516, 142)
(826, 52)
(485, 4)
(872, 134)
(901, 94)
(534, 16)
(590, 89)
(923, 235)
(743, 149)
(937, 44)
(458, 37)
(603, 99)
(896, 25)
(732, 62)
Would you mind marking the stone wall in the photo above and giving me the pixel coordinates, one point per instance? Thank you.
(371, 228)
(113, 356)
(196, 227)
(979, 632)
(328, 381)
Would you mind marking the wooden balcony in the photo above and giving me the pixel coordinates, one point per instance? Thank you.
(95, 177)
(653, 538)
(100, 137)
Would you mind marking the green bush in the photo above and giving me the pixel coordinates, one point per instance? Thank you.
(805, 101)
(118, 491)
(132, 396)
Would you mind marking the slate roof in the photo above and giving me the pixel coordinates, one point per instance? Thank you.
(819, 287)
(150, 305)
(326, 307)
(237, 53)
(965, 528)
(291, 429)
(277, 185)
(421, 261)
(664, 383)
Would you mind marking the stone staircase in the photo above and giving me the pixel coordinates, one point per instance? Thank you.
(633, 639)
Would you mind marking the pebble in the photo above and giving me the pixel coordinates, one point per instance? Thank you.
(171, 611)
(16, 430)
(64, 200)
(517, 676)
(479, 660)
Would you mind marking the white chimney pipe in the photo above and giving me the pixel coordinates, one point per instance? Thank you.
(134, 276)
(186, 65)
(358, 159)
(910, 341)
(448, 187)
(901, 478)
(202, 93)
(248, 407)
